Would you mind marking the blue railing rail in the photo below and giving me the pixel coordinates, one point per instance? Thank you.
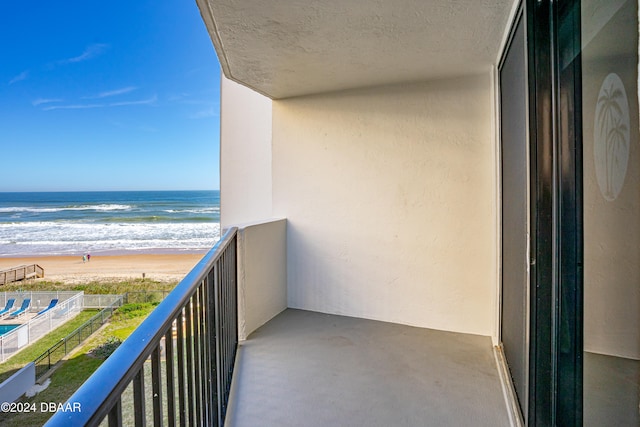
(191, 340)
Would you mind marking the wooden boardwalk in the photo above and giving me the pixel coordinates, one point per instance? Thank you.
(21, 273)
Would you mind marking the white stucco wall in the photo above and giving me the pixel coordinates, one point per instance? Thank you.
(245, 154)
(262, 280)
(18, 384)
(389, 194)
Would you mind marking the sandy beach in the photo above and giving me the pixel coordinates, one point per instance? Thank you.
(163, 267)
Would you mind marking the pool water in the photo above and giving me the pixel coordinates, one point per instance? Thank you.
(7, 328)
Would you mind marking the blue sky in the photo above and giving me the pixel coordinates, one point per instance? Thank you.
(107, 95)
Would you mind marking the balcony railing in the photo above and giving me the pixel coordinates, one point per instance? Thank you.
(191, 341)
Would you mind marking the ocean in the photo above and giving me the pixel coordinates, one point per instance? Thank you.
(108, 222)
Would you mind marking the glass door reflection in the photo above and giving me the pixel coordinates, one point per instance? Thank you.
(611, 194)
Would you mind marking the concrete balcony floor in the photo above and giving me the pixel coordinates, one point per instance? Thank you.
(310, 369)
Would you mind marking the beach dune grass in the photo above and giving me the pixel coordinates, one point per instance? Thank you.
(102, 287)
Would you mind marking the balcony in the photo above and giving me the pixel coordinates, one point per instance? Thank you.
(295, 367)
(311, 369)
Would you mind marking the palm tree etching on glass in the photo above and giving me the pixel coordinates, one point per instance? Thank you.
(611, 137)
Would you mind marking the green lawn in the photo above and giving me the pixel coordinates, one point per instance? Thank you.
(74, 371)
(31, 352)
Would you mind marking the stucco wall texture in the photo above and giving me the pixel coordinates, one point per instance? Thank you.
(262, 279)
(389, 195)
(245, 154)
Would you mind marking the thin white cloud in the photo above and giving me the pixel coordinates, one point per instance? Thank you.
(72, 107)
(22, 76)
(40, 101)
(187, 99)
(115, 92)
(148, 101)
(90, 52)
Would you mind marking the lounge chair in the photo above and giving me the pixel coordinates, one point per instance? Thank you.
(7, 307)
(51, 305)
(26, 303)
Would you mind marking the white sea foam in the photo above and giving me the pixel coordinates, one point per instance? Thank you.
(57, 238)
(102, 207)
(72, 223)
(195, 211)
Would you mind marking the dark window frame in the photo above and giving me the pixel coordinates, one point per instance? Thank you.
(556, 341)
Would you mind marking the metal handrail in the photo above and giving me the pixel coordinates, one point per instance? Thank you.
(100, 394)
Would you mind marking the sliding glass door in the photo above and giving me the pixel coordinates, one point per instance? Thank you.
(514, 212)
(611, 183)
(571, 256)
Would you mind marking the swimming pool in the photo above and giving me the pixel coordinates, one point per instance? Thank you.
(7, 328)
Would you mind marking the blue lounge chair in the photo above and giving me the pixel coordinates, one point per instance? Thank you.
(26, 303)
(51, 305)
(7, 307)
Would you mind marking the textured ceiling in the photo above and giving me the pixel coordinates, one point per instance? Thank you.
(285, 48)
